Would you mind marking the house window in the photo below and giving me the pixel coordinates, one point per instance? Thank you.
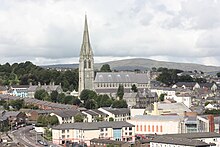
(63, 131)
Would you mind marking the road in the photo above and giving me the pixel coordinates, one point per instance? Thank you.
(27, 137)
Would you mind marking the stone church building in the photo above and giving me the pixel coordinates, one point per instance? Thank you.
(105, 82)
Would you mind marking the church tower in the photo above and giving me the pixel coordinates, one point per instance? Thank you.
(86, 62)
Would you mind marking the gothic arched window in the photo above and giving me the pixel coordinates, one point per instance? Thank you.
(89, 64)
(85, 64)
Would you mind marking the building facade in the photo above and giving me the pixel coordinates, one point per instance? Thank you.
(84, 132)
(86, 62)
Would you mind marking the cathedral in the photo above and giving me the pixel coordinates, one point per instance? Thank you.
(105, 82)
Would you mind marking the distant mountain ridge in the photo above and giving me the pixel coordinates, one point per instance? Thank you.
(145, 64)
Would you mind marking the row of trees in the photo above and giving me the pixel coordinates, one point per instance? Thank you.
(92, 100)
(24, 73)
(16, 105)
(56, 97)
(169, 77)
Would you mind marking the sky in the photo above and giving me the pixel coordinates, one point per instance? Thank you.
(49, 32)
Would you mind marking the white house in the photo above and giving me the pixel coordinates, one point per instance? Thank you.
(118, 114)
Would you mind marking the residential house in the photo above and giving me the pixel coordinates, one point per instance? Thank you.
(19, 90)
(3, 90)
(211, 138)
(164, 141)
(86, 131)
(49, 88)
(67, 116)
(186, 85)
(15, 117)
(95, 115)
(117, 114)
(3, 121)
(164, 90)
(45, 105)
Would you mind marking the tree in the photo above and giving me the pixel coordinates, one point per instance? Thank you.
(105, 68)
(42, 95)
(111, 119)
(120, 92)
(54, 96)
(76, 101)
(119, 104)
(161, 98)
(87, 94)
(91, 104)
(17, 104)
(53, 120)
(134, 88)
(78, 118)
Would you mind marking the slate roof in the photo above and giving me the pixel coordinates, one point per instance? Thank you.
(195, 135)
(95, 112)
(117, 111)
(3, 88)
(66, 113)
(93, 125)
(187, 84)
(121, 77)
(20, 86)
(178, 141)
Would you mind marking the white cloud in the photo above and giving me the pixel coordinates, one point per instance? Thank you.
(47, 32)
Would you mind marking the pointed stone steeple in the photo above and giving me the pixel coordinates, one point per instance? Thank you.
(86, 47)
(86, 62)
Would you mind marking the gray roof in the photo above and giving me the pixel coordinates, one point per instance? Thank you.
(195, 135)
(187, 84)
(178, 141)
(174, 107)
(121, 77)
(67, 113)
(20, 86)
(130, 95)
(93, 125)
(157, 117)
(3, 88)
(117, 111)
(95, 112)
(12, 113)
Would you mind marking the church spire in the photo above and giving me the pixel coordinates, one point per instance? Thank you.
(86, 47)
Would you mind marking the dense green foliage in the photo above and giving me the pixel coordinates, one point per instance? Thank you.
(105, 68)
(16, 105)
(92, 100)
(169, 77)
(24, 73)
(45, 120)
(12, 104)
(78, 118)
(214, 112)
(120, 92)
(134, 88)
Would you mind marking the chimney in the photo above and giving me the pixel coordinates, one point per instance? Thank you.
(39, 84)
(30, 84)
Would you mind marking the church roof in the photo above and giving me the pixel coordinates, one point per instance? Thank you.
(121, 77)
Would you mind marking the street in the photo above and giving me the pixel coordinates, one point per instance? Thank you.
(27, 137)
